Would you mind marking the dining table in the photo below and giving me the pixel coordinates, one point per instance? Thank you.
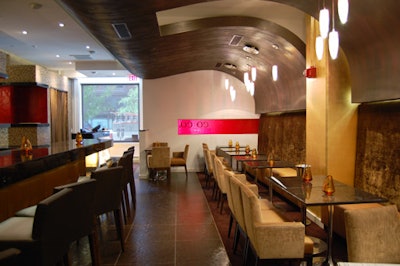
(307, 194)
(240, 159)
(228, 152)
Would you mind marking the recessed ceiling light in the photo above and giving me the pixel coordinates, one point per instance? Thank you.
(57, 55)
(24, 32)
(230, 66)
(61, 25)
(275, 46)
(87, 47)
(250, 49)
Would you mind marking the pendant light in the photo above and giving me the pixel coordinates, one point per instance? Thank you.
(274, 72)
(253, 74)
(343, 10)
(333, 42)
(226, 84)
(324, 22)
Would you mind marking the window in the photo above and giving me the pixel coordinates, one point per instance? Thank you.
(113, 107)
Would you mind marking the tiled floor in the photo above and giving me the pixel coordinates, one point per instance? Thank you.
(173, 226)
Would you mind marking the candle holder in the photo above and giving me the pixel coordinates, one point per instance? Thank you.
(328, 186)
(254, 153)
(230, 143)
(307, 175)
(247, 150)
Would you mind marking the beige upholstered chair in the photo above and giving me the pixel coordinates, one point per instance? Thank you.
(43, 239)
(179, 158)
(373, 234)
(235, 183)
(159, 160)
(209, 166)
(270, 236)
(219, 175)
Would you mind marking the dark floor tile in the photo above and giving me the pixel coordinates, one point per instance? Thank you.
(201, 252)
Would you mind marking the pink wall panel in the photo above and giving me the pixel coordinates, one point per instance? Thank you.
(217, 126)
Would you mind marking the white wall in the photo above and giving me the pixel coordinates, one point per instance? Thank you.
(194, 95)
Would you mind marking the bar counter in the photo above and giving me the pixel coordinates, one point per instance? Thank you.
(28, 177)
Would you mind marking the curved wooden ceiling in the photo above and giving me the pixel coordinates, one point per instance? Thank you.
(156, 51)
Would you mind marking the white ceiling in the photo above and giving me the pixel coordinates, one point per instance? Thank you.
(45, 40)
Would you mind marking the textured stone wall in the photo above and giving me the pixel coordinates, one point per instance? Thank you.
(285, 135)
(378, 150)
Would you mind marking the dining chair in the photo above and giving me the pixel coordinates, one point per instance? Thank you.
(10, 257)
(270, 236)
(83, 223)
(159, 160)
(209, 171)
(221, 181)
(43, 239)
(179, 158)
(108, 196)
(128, 183)
(373, 234)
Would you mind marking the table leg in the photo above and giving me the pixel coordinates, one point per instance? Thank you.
(329, 259)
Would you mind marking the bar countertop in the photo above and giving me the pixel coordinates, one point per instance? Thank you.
(16, 164)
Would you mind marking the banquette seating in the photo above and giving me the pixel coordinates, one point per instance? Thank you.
(373, 234)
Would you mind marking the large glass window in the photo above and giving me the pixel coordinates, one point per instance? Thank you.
(113, 107)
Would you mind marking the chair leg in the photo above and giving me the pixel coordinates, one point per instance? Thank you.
(186, 171)
(222, 203)
(230, 225)
(94, 247)
(118, 224)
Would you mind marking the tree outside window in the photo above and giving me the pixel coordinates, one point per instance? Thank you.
(113, 107)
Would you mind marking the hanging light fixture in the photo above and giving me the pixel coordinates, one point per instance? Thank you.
(226, 84)
(251, 88)
(333, 43)
(343, 10)
(274, 72)
(253, 74)
(319, 47)
(232, 92)
(324, 22)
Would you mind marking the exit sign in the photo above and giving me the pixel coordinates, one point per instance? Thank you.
(132, 77)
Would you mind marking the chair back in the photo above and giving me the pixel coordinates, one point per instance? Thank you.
(227, 176)
(82, 222)
(235, 184)
(160, 157)
(207, 160)
(108, 189)
(50, 226)
(160, 144)
(219, 174)
(186, 152)
(126, 161)
(373, 234)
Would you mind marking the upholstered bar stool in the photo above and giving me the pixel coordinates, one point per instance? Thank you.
(43, 239)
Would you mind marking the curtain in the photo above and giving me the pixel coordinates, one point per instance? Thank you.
(59, 115)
